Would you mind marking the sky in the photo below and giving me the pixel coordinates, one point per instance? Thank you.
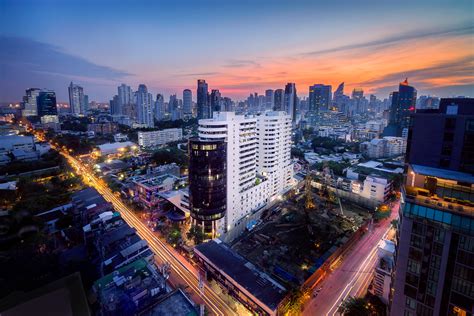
(238, 47)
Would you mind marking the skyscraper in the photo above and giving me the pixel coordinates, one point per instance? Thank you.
(269, 99)
(175, 108)
(144, 106)
(47, 103)
(204, 111)
(125, 97)
(30, 104)
(340, 99)
(187, 102)
(403, 104)
(290, 100)
(114, 106)
(435, 247)
(215, 99)
(76, 99)
(278, 100)
(160, 111)
(319, 98)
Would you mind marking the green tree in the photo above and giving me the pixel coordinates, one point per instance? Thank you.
(357, 306)
(196, 234)
(174, 236)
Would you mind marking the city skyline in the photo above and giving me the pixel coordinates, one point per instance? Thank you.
(367, 47)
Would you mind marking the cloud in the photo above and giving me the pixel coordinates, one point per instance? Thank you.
(28, 63)
(241, 63)
(461, 68)
(398, 38)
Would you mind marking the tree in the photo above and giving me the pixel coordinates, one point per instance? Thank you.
(170, 155)
(357, 306)
(296, 152)
(196, 234)
(174, 236)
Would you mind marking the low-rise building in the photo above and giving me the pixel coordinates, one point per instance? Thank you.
(384, 147)
(114, 148)
(256, 290)
(147, 187)
(106, 128)
(156, 138)
(382, 280)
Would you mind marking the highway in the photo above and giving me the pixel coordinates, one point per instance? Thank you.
(354, 274)
(165, 253)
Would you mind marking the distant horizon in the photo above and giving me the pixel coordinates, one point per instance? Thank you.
(239, 48)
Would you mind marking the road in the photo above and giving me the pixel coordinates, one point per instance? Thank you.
(354, 274)
(165, 253)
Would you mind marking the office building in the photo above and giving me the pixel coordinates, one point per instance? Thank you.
(47, 103)
(208, 183)
(319, 98)
(403, 104)
(215, 99)
(125, 95)
(204, 111)
(278, 98)
(156, 138)
(290, 100)
(76, 99)
(269, 99)
(274, 150)
(227, 104)
(175, 108)
(29, 104)
(144, 106)
(160, 111)
(114, 104)
(435, 251)
(187, 102)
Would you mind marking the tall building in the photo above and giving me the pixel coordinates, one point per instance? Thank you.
(403, 104)
(215, 100)
(227, 104)
(175, 108)
(358, 101)
(187, 102)
(319, 98)
(115, 108)
(269, 99)
(30, 104)
(125, 97)
(435, 252)
(76, 99)
(207, 183)
(144, 106)
(204, 111)
(290, 100)
(160, 111)
(47, 103)
(278, 99)
(257, 161)
(274, 150)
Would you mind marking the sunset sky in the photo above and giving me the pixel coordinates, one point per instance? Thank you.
(238, 46)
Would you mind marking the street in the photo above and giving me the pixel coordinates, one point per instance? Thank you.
(354, 274)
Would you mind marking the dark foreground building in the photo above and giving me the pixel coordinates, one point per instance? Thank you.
(207, 182)
(435, 252)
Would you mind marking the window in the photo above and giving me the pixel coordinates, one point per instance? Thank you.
(413, 267)
(410, 303)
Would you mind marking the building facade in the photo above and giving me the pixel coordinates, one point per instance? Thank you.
(156, 138)
(290, 100)
(187, 102)
(204, 111)
(76, 99)
(435, 252)
(144, 106)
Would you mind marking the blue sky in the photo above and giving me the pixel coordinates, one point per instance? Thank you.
(237, 46)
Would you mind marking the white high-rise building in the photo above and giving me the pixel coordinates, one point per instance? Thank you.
(251, 151)
(77, 100)
(144, 107)
(274, 150)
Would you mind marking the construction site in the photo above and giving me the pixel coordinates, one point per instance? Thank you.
(296, 237)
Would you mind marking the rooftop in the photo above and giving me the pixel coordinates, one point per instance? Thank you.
(443, 173)
(174, 303)
(258, 283)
